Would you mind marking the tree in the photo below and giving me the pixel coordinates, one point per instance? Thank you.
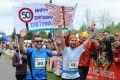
(29, 36)
(13, 34)
(117, 27)
(109, 28)
(83, 27)
(43, 34)
(104, 18)
(113, 25)
(89, 17)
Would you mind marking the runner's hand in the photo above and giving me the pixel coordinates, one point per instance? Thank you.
(23, 33)
(93, 24)
(58, 40)
(60, 22)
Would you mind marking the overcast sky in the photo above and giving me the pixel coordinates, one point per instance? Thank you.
(113, 6)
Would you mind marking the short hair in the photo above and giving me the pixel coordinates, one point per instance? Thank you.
(106, 32)
(103, 46)
(35, 37)
(116, 45)
(15, 47)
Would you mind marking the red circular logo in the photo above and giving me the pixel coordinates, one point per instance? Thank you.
(25, 15)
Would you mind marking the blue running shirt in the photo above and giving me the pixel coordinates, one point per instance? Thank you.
(38, 62)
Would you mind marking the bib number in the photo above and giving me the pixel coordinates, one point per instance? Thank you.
(73, 65)
(39, 63)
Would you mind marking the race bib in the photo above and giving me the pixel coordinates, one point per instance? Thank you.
(73, 65)
(39, 63)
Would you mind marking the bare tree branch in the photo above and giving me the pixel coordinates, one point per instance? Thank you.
(104, 18)
(89, 17)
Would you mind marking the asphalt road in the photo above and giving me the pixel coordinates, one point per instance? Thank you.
(7, 72)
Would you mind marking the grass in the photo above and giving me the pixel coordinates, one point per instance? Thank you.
(53, 77)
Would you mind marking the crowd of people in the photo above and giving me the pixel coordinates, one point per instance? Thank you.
(30, 61)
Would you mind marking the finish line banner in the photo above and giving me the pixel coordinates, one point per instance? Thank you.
(35, 16)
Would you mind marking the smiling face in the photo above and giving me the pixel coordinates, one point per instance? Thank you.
(106, 35)
(72, 43)
(83, 39)
(115, 46)
(37, 42)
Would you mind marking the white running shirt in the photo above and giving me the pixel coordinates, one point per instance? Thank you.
(68, 55)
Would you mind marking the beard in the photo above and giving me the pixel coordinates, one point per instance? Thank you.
(73, 46)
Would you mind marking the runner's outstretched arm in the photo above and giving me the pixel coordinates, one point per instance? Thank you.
(60, 33)
(21, 44)
(59, 39)
(90, 34)
(58, 45)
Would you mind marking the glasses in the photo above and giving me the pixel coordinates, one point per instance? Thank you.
(38, 41)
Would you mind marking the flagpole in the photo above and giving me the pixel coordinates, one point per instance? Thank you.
(50, 1)
(18, 44)
(52, 30)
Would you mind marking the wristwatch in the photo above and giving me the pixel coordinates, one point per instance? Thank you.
(92, 30)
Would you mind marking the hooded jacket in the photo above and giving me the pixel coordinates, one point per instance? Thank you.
(20, 69)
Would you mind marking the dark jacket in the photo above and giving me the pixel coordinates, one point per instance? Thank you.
(20, 69)
(109, 48)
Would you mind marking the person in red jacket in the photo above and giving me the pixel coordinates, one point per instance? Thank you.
(84, 60)
(116, 51)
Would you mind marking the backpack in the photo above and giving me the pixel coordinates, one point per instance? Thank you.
(29, 72)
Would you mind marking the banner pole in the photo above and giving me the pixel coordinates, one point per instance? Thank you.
(63, 11)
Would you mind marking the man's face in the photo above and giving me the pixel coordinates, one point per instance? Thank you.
(106, 35)
(37, 42)
(72, 43)
(83, 39)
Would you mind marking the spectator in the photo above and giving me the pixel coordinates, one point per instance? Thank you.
(116, 51)
(96, 55)
(107, 39)
(104, 60)
(84, 60)
(117, 36)
(20, 62)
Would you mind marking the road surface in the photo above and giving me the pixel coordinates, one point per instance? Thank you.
(7, 72)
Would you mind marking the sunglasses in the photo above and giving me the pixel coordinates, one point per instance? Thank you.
(38, 41)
